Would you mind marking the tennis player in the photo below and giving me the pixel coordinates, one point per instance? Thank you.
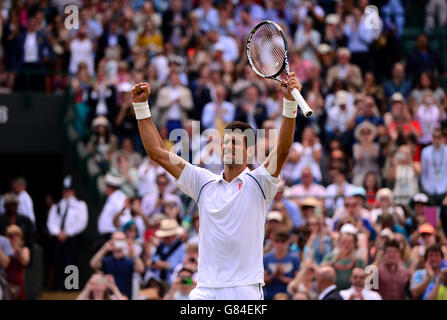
(232, 205)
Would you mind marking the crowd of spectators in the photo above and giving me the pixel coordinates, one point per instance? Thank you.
(365, 182)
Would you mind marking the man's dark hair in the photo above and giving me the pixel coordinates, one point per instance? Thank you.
(433, 248)
(235, 125)
(392, 244)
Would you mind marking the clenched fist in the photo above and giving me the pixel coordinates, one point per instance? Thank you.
(289, 84)
(141, 92)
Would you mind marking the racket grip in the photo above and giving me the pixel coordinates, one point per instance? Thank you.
(307, 111)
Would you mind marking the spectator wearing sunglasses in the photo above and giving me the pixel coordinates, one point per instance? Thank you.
(280, 266)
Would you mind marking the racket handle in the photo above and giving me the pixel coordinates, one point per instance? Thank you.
(307, 111)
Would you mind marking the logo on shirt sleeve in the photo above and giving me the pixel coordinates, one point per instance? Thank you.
(239, 186)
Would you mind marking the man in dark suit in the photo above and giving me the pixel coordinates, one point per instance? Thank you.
(326, 284)
(112, 37)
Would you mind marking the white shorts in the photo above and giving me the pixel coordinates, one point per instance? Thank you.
(249, 292)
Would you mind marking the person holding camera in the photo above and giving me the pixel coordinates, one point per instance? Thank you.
(182, 285)
(121, 263)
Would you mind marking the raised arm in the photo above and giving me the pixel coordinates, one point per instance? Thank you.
(149, 134)
(278, 155)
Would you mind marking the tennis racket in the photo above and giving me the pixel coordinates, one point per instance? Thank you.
(267, 56)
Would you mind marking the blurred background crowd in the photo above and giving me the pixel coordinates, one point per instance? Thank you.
(365, 182)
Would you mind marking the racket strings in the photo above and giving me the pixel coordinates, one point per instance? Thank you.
(267, 50)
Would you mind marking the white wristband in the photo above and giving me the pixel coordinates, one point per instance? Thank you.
(141, 110)
(289, 108)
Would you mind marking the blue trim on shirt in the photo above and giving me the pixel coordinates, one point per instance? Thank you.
(198, 197)
(263, 194)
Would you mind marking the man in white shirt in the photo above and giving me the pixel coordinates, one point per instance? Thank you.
(434, 169)
(115, 202)
(26, 206)
(66, 221)
(232, 205)
(219, 110)
(358, 290)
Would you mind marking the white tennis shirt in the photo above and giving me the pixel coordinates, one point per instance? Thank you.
(232, 222)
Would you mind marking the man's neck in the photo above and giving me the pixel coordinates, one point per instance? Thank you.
(437, 146)
(232, 171)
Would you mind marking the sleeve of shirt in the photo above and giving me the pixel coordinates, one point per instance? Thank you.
(6, 247)
(52, 225)
(268, 183)
(417, 278)
(192, 179)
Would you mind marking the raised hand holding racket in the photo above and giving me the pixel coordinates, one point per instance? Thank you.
(268, 56)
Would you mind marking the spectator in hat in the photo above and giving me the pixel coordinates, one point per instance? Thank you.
(121, 264)
(417, 218)
(365, 152)
(384, 198)
(25, 204)
(326, 278)
(424, 280)
(357, 291)
(102, 143)
(338, 116)
(169, 253)
(394, 277)
(275, 222)
(345, 257)
(427, 238)
(114, 203)
(433, 165)
(12, 217)
(334, 35)
(18, 262)
(359, 195)
(397, 83)
(439, 292)
(280, 266)
(325, 58)
(344, 70)
(66, 221)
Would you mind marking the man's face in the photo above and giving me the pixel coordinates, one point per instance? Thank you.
(162, 183)
(437, 138)
(398, 71)
(343, 58)
(419, 208)
(306, 177)
(434, 259)
(357, 278)
(392, 255)
(234, 149)
(280, 243)
(351, 205)
(17, 187)
(118, 252)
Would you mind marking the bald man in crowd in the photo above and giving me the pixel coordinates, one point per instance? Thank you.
(326, 278)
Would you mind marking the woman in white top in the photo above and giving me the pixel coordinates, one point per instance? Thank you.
(405, 174)
(82, 50)
(429, 116)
